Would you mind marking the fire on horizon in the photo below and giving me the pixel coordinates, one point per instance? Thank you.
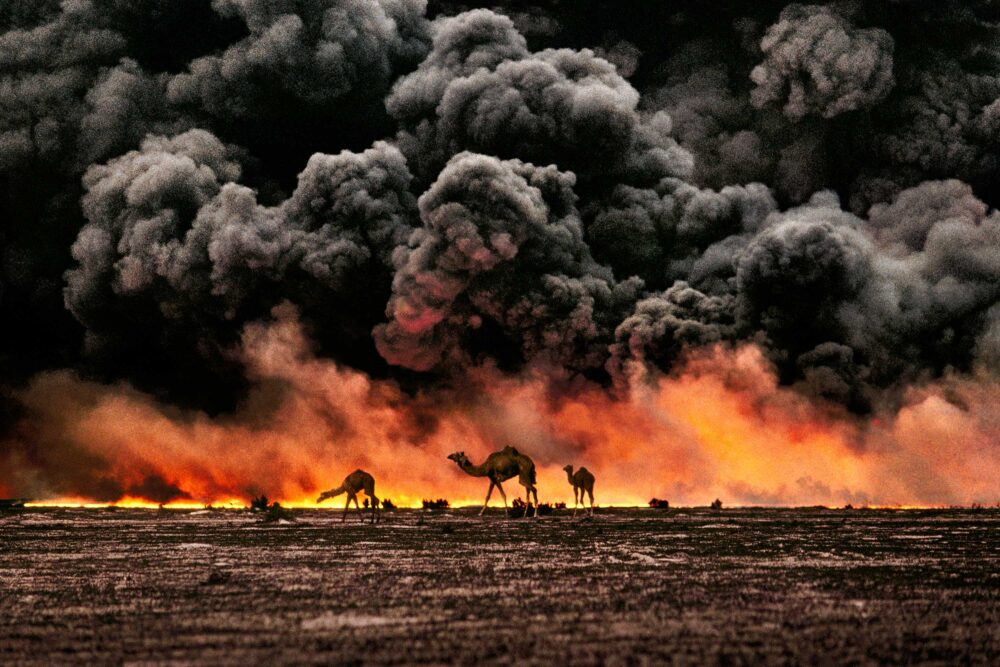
(751, 254)
(722, 428)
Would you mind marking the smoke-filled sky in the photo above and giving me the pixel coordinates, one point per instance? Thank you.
(748, 250)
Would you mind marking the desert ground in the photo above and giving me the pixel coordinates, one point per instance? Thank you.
(639, 586)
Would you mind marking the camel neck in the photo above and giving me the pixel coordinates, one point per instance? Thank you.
(569, 476)
(475, 471)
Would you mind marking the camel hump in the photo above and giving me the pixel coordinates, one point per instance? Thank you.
(358, 479)
(511, 451)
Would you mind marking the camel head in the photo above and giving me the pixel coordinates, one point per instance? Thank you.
(332, 493)
(568, 469)
(460, 458)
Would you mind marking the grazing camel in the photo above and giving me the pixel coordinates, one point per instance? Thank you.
(357, 481)
(581, 480)
(499, 467)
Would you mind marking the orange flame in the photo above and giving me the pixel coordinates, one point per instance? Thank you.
(721, 428)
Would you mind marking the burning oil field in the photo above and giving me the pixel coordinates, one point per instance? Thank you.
(307, 251)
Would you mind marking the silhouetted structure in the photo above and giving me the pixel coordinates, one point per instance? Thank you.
(272, 511)
(259, 504)
(659, 504)
(518, 508)
(275, 512)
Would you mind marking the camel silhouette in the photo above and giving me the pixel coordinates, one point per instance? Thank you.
(581, 480)
(357, 481)
(499, 467)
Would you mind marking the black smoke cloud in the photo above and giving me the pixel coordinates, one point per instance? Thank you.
(501, 247)
(481, 90)
(307, 76)
(593, 189)
(816, 62)
(176, 248)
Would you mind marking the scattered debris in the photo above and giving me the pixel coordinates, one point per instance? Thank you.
(659, 504)
(439, 504)
(259, 504)
(519, 508)
(216, 578)
(12, 503)
(545, 509)
(278, 513)
(388, 504)
(273, 512)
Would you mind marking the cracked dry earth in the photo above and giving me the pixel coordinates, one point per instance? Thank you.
(628, 587)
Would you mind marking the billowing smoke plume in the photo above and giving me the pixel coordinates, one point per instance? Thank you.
(172, 236)
(501, 247)
(593, 206)
(721, 428)
(317, 70)
(481, 90)
(816, 62)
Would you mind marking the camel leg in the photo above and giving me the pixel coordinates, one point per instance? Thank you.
(576, 501)
(527, 499)
(357, 506)
(487, 501)
(376, 513)
(590, 492)
(506, 510)
(534, 490)
(346, 507)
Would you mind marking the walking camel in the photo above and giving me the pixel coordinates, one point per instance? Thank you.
(499, 467)
(581, 480)
(357, 481)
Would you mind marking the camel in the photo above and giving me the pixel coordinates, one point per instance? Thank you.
(582, 480)
(499, 467)
(357, 481)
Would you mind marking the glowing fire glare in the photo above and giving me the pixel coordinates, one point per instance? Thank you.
(721, 428)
